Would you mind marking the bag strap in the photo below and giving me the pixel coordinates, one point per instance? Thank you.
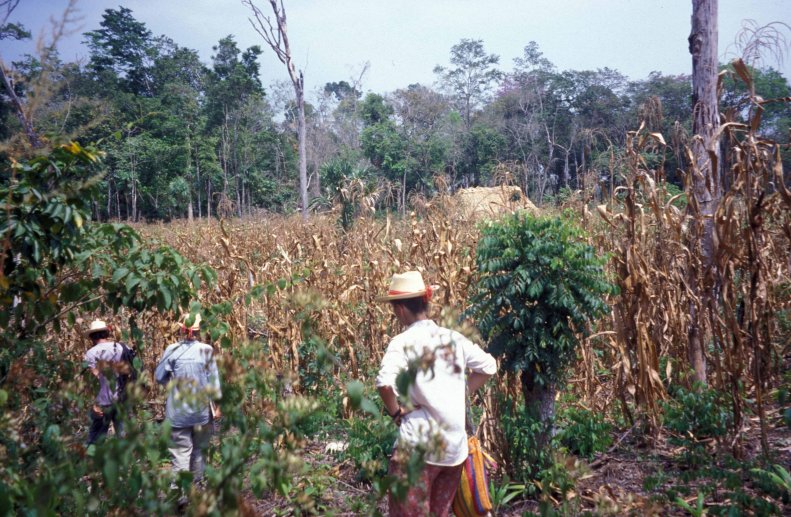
(173, 352)
(468, 424)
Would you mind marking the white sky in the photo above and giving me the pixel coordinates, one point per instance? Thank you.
(404, 39)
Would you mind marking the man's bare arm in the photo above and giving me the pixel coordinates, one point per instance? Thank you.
(389, 398)
(475, 380)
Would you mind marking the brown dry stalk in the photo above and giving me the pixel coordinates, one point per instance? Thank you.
(633, 353)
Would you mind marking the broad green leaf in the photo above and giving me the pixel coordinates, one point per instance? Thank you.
(119, 274)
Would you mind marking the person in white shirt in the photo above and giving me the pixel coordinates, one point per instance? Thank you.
(434, 413)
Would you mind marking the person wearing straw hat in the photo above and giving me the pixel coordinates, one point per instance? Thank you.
(101, 359)
(189, 369)
(434, 412)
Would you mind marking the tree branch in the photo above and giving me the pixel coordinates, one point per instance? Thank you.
(19, 110)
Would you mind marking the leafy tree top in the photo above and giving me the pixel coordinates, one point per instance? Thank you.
(539, 287)
(472, 74)
(123, 47)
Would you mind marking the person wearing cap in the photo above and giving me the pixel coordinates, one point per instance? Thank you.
(434, 412)
(100, 359)
(190, 371)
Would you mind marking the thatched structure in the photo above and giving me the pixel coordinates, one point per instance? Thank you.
(480, 202)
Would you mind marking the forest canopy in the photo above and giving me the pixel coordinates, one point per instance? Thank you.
(185, 138)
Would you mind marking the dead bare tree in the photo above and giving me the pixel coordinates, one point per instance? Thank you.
(276, 36)
(5, 75)
(39, 90)
(704, 182)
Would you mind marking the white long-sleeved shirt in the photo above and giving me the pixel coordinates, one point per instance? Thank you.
(439, 393)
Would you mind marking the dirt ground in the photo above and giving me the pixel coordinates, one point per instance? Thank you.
(632, 478)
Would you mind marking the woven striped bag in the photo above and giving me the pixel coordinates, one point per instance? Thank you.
(472, 497)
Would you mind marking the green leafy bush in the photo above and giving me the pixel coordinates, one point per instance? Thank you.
(775, 482)
(583, 432)
(674, 191)
(540, 285)
(523, 458)
(47, 233)
(326, 419)
(504, 492)
(700, 412)
(370, 443)
(694, 416)
(55, 263)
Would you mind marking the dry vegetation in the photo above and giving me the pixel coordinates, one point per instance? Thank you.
(331, 276)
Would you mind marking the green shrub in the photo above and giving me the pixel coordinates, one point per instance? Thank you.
(504, 492)
(775, 482)
(326, 419)
(583, 432)
(557, 483)
(523, 458)
(539, 287)
(695, 416)
(672, 190)
(370, 443)
(61, 261)
(562, 196)
(699, 413)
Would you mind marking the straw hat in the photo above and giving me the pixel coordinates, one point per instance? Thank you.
(195, 324)
(96, 326)
(407, 285)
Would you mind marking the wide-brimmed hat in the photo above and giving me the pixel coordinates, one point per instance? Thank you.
(195, 323)
(407, 285)
(96, 326)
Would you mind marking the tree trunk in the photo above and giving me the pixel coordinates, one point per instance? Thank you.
(540, 405)
(134, 201)
(467, 111)
(198, 185)
(208, 198)
(403, 196)
(276, 36)
(239, 197)
(189, 166)
(225, 145)
(109, 199)
(19, 111)
(303, 154)
(133, 165)
(314, 183)
(705, 182)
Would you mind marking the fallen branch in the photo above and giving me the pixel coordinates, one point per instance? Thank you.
(601, 460)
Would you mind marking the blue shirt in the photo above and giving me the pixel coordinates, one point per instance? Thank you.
(189, 369)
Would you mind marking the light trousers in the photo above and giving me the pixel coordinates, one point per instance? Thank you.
(186, 449)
